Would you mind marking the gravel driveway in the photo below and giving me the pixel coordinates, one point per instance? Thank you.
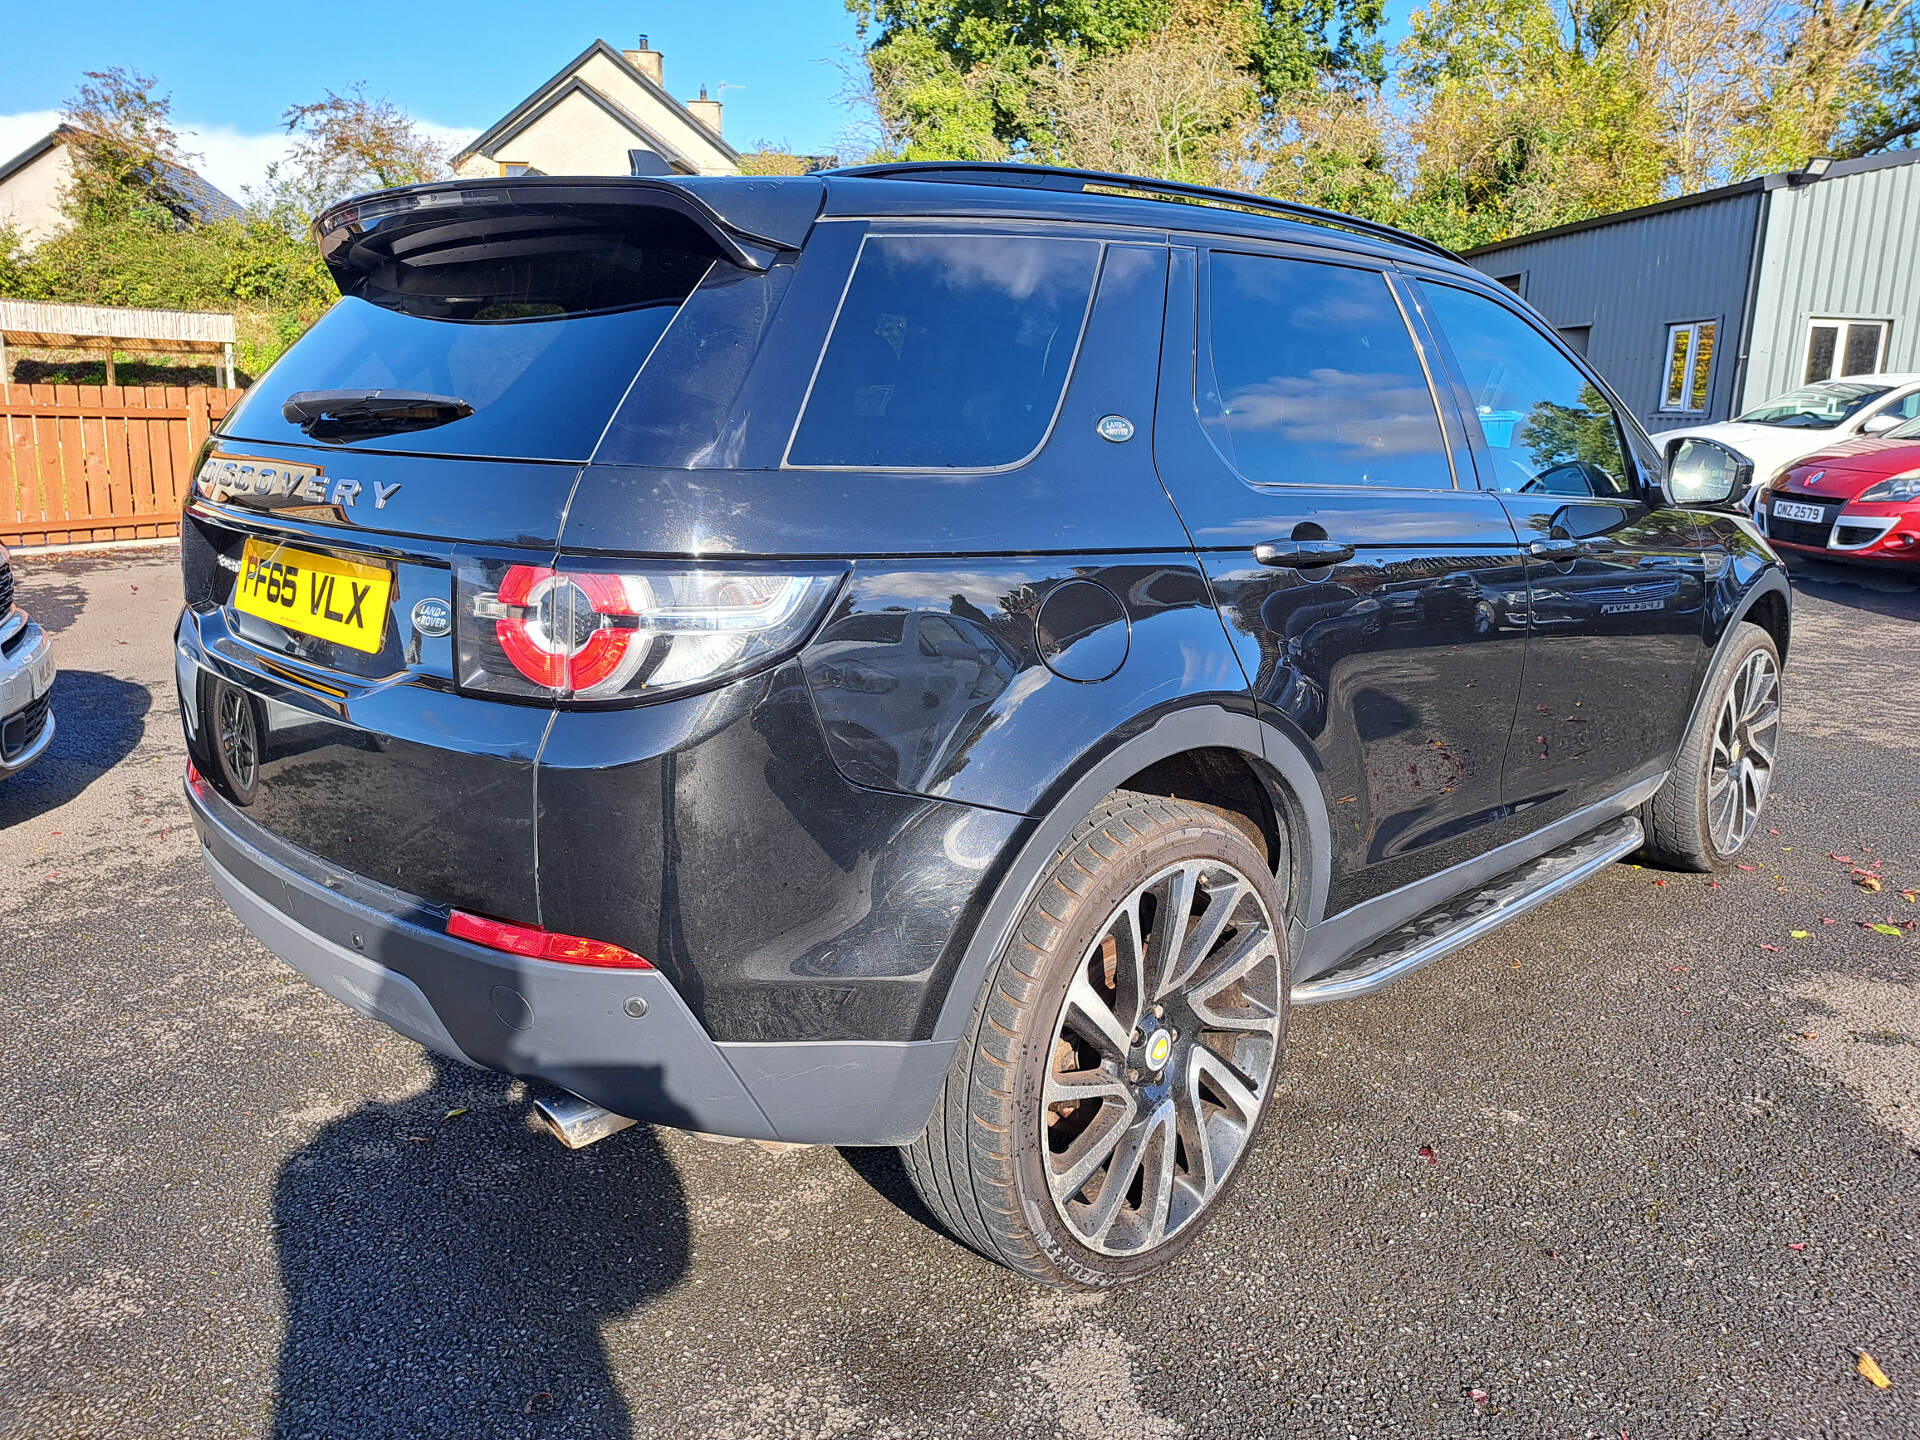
(1674, 1181)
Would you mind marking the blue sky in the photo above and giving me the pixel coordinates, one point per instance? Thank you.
(457, 67)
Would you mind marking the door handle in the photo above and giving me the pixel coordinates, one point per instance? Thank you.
(1555, 549)
(1292, 554)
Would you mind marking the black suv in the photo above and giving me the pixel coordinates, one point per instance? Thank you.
(939, 656)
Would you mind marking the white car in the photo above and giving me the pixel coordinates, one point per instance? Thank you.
(1814, 417)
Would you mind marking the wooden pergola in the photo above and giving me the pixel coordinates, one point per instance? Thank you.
(29, 323)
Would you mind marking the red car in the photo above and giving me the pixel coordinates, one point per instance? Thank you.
(1859, 500)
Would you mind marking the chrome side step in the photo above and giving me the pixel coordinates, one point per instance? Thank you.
(1466, 918)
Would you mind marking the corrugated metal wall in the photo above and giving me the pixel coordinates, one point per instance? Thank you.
(1845, 247)
(1632, 279)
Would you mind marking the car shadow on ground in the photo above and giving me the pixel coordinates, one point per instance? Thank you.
(1879, 590)
(447, 1269)
(98, 720)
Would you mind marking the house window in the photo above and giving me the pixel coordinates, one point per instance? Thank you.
(518, 167)
(1578, 337)
(1836, 348)
(1516, 282)
(1689, 366)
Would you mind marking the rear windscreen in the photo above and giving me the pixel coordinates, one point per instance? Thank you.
(539, 328)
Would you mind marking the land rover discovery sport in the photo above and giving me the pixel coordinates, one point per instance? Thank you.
(940, 656)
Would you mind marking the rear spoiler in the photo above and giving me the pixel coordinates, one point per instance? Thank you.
(751, 219)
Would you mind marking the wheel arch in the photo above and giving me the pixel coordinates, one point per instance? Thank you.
(1205, 753)
(1767, 602)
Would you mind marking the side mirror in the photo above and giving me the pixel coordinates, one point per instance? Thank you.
(1880, 424)
(1705, 473)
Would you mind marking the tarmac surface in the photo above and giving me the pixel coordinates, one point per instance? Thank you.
(1674, 1182)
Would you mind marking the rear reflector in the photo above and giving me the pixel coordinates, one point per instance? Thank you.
(538, 944)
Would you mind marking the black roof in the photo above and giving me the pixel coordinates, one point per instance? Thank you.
(198, 200)
(753, 217)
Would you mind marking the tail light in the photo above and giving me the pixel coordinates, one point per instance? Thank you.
(578, 632)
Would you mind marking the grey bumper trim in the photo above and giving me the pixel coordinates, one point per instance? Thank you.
(383, 954)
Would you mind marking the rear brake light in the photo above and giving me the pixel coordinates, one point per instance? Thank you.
(537, 944)
(578, 633)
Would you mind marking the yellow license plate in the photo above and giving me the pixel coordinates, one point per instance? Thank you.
(320, 595)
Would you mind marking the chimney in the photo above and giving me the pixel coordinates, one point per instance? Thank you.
(706, 111)
(648, 62)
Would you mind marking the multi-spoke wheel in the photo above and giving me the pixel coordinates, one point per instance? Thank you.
(1746, 736)
(1124, 1053)
(1711, 803)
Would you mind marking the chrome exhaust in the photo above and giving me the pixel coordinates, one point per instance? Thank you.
(577, 1123)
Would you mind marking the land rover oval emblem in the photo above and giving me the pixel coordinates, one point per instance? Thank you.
(433, 617)
(1117, 428)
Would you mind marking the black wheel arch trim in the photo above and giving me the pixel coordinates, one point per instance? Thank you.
(1769, 582)
(1195, 727)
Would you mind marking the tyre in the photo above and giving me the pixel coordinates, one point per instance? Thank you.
(1711, 803)
(1123, 1055)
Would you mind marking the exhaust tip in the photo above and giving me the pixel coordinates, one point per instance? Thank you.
(577, 1123)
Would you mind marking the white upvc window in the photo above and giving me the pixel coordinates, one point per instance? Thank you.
(1689, 366)
(1837, 348)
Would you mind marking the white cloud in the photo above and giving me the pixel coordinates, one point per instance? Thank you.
(231, 159)
(17, 132)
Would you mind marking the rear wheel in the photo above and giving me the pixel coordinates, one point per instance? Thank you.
(1124, 1053)
(1711, 803)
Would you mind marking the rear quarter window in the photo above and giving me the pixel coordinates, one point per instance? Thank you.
(949, 352)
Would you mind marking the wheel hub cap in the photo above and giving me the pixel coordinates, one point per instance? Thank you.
(1162, 1058)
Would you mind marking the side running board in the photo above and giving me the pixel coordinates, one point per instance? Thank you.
(1466, 918)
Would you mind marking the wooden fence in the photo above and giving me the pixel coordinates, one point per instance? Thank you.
(87, 463)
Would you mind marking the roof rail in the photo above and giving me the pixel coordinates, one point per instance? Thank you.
(1060, 177)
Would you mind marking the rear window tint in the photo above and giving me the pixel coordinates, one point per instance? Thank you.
(539, 325)
(949, 352)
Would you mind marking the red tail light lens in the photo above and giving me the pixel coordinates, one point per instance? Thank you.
(538, 944)
(577, 633)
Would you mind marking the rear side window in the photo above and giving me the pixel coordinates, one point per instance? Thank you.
(1315, 377)
(949, 352)
(537, 324)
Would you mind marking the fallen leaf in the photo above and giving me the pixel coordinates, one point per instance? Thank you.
(1893, 930)
(1840, 859)
(540, 1400)
(1713, 884)
(1912, 897)
(1746, 867)
(456, 1113)
(1769, 947)
(1809, 1034)
(1678, 969)
(1870, 1368)
(1479, 1397)
(419, 1139)
(1868, 883)
(1659, 882)
(1426, 1154)
(1824, 920)
(1799, 934)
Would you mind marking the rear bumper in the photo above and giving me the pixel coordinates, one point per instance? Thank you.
(386, 955)
(26, 675)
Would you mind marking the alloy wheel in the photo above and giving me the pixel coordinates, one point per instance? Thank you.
(238, 737)
(1746, 741)
(1162, 1057)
